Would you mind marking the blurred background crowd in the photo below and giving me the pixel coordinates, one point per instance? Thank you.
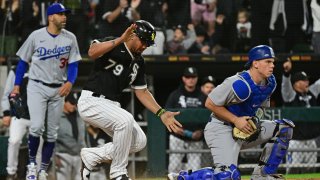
(183, 26)
(206, 27)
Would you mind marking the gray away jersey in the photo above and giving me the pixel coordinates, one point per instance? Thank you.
(49, 55)
(223, 94)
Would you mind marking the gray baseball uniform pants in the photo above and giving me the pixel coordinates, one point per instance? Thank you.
(224, 149)
(42, 101)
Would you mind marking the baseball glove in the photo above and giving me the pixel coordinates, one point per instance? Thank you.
(18, 108)
(256, 126)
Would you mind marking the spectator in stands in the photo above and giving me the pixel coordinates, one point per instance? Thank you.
(10, 26)
(188, 95)
(152, 11)
(181, 40)
(204, 13)
(296, 92)
(79, 13)
(71, 138)
(260, 19)
(216, 40)
(315, 9)
(116, 17)
(178, 12)
(208, 84)
(201, 44)
(286, 24)
(243, 32)
(10, 11)
(226, 30)
(30, 21)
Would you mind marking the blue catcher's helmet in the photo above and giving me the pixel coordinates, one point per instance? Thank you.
(258, 53)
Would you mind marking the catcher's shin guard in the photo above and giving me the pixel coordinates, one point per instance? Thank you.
(276, 149)
(208, 173)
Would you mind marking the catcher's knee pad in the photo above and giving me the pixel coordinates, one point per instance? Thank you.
(218, 173)
(276, 149)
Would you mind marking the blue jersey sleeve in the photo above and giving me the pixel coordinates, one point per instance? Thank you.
(21, 69)
(73, 72)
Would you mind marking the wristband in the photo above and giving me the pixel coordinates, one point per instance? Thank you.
(160, 112)
(188, 134)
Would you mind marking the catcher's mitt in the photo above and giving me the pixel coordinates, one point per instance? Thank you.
(256, 126)
(18, 108)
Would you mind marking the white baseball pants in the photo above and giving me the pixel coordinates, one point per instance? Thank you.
(127, 135)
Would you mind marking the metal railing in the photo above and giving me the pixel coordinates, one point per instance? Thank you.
(256, 153)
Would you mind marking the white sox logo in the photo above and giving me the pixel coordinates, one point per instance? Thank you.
(134, 73)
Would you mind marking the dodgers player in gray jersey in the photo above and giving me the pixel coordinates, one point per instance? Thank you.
(54, 54)
(118, 64)
(239, 98)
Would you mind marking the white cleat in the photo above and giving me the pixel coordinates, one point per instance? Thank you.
(258, 175)
(31, 172)
(267, 177)
(42, 175)
(172, 176)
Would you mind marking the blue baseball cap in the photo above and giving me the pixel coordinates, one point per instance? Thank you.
(56, 8)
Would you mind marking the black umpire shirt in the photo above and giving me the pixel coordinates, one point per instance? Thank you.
(115, 71)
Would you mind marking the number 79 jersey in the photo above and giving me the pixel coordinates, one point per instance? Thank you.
(49, 55)
(115, 71)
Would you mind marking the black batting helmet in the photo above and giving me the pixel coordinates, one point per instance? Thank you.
(145, 31)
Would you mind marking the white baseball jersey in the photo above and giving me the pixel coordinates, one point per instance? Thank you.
(49, 55)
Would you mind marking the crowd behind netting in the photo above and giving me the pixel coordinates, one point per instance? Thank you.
(183, 26)
(203, 27)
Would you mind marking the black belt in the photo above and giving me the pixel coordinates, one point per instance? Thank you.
(94, 94)
(47, 84)
(98, 95)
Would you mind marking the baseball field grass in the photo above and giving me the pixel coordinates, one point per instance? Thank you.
(312, 176)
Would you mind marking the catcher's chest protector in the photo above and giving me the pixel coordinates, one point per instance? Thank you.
(254, 96)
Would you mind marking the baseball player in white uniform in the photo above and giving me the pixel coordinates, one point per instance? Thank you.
(18, 126)
(118, 64)
(54, 54)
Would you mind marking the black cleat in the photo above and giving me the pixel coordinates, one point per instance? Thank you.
(85, 172)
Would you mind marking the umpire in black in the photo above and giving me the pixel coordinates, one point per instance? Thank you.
(119, 64)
